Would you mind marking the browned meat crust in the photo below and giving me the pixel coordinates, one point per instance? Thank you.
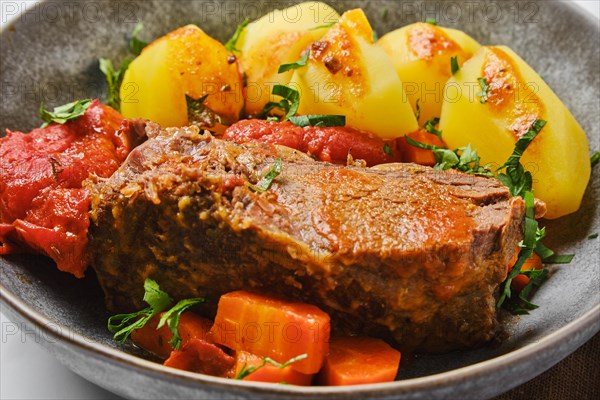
(398, 249)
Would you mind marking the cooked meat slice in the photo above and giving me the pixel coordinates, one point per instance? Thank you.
(399, 249)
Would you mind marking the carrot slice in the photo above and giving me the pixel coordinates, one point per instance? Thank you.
(201, 356)
(157, 341)
(415, 154)
(269, 327)
(269, 373)
(520, 281)
(359, 360)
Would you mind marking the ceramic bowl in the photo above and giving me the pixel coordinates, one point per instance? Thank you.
(49, 55)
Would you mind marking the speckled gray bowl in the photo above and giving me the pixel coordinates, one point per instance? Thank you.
(50, 55)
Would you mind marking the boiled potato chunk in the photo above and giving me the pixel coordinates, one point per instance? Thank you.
(421, 54)
(348, 75)
(278, 38)
(184, 62)
(492, 122)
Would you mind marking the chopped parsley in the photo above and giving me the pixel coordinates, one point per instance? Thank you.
(173, 316)
(387, 149)
(327, 25)
(464, 159)
(418, 107)
(114, 80)
(430, 127)
(318, 120)
(484, 90)
(519, 183)
(516, 178)
(136, 45)
(64, 113)
(266, 181)
(593, 236)
(289, 103)
(595, 158)
(295, 65)
(431, 21)
(247, 370)
(231, 43)
(121, 325)
(531, 236)
(454, 65)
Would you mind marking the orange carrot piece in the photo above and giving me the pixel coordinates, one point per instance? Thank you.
(359, 360)
(520, 281)
(269, 327)
(157, 341)
(415, 154)
(269, 373)
(201, 356)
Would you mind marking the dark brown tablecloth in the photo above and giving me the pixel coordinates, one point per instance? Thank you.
(576, 377)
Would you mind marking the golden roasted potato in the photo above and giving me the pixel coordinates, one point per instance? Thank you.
(278, 38)
(493, 119)
(421, 54)
(347, 74)
(184, 62)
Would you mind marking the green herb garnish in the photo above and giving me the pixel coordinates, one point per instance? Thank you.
(418, 107)
(516, 178)
(430, 127)
(231, 43)
(266, 181)
(295, 65)
(559, 259)
(454, 65)
(595, 158)
(375, 36)
(593, 236)
(431, 21)
(327, 25)
(289, 104)
(530, 239)
(387, 149)
(464, 159)
(247, 370)
(172, 317)
(64, 113)
(484, 90)
(136, 45)
(114, 80)
(122, 325)
(318, 120)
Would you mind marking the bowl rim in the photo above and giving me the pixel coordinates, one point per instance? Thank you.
(588, 322)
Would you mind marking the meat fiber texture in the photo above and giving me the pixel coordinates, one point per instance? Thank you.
(399, 250)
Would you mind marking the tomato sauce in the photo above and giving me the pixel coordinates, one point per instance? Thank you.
(43, 207)
(331, 144)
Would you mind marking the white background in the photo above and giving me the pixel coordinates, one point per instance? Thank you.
(28, 372)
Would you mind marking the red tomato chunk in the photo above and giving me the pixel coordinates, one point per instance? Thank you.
(43, 208)
(331, 144)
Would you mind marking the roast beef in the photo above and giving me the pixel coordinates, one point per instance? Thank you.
(398, 250)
